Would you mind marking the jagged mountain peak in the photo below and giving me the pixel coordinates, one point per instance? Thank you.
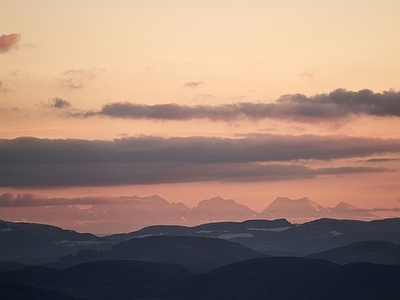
(155, 198)
(220, 203)
(295, 209)
(287, 203)
(342, 206)
(152, 198)
(286, 199)
(219, 209)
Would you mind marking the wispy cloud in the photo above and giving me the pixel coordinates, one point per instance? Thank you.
(89, 73)
(78, 78)
(379, 160)
(193, 84)
(202, 97)
(4, 89)
(308, 75)
(24, 200)
(8, 42)
(150, 160)
(56, 103)
(335, 106)
(28, 200)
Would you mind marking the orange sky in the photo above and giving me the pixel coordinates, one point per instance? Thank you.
(246, 100)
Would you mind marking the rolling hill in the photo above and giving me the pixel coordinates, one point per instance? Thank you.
(378, 252)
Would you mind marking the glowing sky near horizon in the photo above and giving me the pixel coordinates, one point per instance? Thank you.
(248, 100)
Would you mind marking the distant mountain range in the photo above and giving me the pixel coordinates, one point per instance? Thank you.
(303, 210)
(132, 213)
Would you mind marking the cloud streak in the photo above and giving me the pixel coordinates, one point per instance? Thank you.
(336, 105)
(56, 103)
(155, 173)
(3, 89)
(193, 84)
(24, 200)
(9, 42)
(78, 78)
(381, 159)
(151, 160)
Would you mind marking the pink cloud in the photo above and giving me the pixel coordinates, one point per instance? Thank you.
(8, 42)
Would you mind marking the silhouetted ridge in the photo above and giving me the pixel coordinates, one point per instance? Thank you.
(191, 252)
(38, 243)
(6, 266)
(15, 291)
(102, 280)
(379, 252)
(288, 278)
(279, 278)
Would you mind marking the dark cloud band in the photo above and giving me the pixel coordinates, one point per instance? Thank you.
(336, 105)
(151, 160)
(259, 148)
(156, 173)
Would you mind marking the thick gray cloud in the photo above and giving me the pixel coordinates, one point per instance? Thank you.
(148, 160)
(258, 148)
(8, 42)
(337, 105)
(154, 173)
(127, 110)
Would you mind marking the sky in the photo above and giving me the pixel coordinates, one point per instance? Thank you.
(248, 100)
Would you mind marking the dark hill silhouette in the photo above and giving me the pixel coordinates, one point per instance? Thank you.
(38, 243)
(6, 266)
(279, 278)
(214, 229)
(324, 234)
(35, 243)
(280, 237)
(254, 234)
(118, 279)
(100, 280)
(191, 252)
(195, 253)
(13, 291)
(172, 230)
(292, 278)
(379, 252)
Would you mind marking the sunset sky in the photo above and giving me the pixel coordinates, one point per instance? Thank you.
(248, 100)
